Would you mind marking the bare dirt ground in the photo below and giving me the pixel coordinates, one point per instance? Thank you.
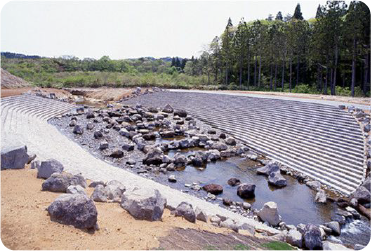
(10, 81)
(18, 91)
(25, 223)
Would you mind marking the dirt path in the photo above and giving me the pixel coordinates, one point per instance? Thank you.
(26, 225)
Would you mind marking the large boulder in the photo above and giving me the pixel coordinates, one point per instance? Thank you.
(48, 167)
(276, 179)
(295, 238)
(312, 237)
(59, 182)
(362, 195)
(213, 188)
(335, 227)
(246, 190)
(321, 196)
(153, 157)
(268, 169)
(144, 204)
(186, 211)
(269, 213)
(168, 109)
(180, 113)
(201, 215)
(112, 192)
(14, 157)
(74, 209)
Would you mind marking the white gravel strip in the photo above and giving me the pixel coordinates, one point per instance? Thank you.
(47, 142)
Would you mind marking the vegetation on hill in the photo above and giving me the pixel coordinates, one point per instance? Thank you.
(328, 54)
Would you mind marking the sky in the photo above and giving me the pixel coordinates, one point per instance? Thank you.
(128, 29)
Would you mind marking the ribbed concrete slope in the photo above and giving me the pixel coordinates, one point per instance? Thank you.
(318, 140)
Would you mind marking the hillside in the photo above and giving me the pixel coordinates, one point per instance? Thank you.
(10, 81)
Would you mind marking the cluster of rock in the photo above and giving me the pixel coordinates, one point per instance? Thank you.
(15, 156)
(138, 92)
(48, 95)
(272, 170)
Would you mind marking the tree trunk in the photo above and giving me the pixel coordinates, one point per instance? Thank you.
(260, 68)
(256, 63)
(297, 71)
(240, 72)
(366, 74)
(290, 73)
(333, 89)
(275, 77)
(283, 74)
(271, 82)
(226, 76)
(354, 67)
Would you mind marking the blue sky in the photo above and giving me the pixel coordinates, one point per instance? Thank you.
(127, 29)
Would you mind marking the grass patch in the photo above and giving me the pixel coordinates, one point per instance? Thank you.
(277, 245)
(240, 247)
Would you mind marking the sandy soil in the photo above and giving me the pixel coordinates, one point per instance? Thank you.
(18, 91)
(25, 223)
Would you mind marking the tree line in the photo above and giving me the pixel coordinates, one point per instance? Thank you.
(330, 50)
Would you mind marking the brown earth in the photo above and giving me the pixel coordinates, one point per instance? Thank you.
(25, 223)
(10, 81)
(18, 91)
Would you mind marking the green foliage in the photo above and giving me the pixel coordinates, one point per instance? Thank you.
(277, 245)
(241, 247)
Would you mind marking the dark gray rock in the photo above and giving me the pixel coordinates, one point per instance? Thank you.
(98, 134)
(78, 129)
(96, 183)
(75, 189)
(103, 145)
(276, 179)
(144, 204)
(213, 188)
(57, 182)
(48, 167)
(362, 195)
(74, 209)
(246, 191)
(268, 169)
(312, 237)
(186, 211)
(128, 147)
(168, 109)
(234, 182)
(335, 227)
(14, 157)
(117, 153)
(180, 113)
(230, 141)
(153, 157)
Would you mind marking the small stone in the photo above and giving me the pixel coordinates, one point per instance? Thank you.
(172, 178)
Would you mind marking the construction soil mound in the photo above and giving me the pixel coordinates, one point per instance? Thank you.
(10, 81)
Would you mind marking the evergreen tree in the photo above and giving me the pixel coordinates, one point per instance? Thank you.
(319, 12)
(297, 14)
(279, 16)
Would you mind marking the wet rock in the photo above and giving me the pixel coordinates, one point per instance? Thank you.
(222, 136)
(98, 134)
(246, 191)
(312, 237)
(230, 141)
(362, 195)
(75, 189)
(172, 178)
(276, 179)
(320, 196)
(167, 134)
(220, 146)
(180, 160)
(103, 145)
(246, 205)
(213, 189)
(153, 157)
(74, 209)
(144, 204)
(335, 227)
(168, 109)
(78, 129)
(211, 131)
(201, 215)
(294, 238)
(48, 167)
(128, 147)
(234, 182)
(268, 169)
(186, 211)
(14, 157)
(354, 212)
(180, 113)
(116, 153)
(227, 201)
(315, 185)
(339, 218)
(269, 213)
